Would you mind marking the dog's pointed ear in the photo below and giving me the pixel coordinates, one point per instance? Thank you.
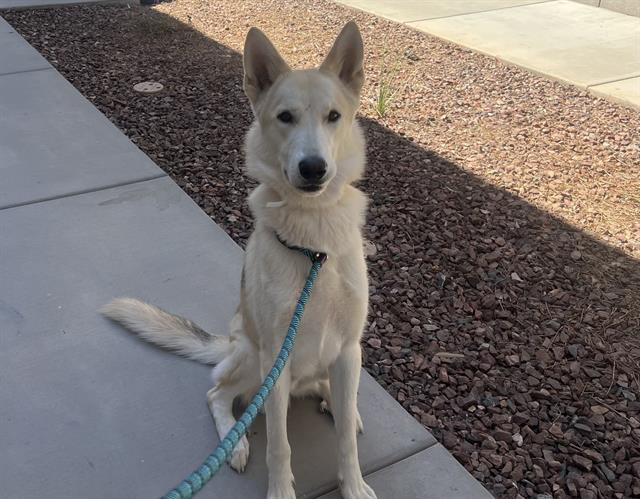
(262, 64)
(346, 58)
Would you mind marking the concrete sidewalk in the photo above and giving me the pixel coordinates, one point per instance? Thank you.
(593, 48)
(89, 411)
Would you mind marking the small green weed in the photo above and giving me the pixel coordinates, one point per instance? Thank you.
(385, 96)
(386, 91)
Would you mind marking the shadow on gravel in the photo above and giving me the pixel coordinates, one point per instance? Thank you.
(489, 317)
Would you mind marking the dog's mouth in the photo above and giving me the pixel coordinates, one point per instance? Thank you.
(311, 188)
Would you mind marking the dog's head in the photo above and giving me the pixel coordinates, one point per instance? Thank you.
(305, 140)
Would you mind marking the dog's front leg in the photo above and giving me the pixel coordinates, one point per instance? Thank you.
(278, 449)
(345, 377)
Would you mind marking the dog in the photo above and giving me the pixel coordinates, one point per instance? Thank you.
(305, 149)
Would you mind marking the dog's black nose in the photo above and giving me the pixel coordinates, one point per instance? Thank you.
(312, 168)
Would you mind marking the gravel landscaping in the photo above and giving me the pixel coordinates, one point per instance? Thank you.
(504, 221)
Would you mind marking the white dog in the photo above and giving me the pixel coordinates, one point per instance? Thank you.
(305, 149)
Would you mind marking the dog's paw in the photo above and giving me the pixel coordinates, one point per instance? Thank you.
(281, 490)
(357, 490)
(240, 455)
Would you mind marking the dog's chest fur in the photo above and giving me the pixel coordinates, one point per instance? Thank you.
(274, 276)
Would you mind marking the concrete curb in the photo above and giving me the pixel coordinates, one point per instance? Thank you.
(43, 4)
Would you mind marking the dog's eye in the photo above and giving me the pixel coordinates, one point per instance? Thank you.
(333, 116)
(285, 117)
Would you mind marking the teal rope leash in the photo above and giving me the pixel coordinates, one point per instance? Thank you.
(190, 486)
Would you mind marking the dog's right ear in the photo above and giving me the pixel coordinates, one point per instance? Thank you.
(262, 65)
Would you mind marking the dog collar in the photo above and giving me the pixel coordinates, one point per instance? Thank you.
(315, 256)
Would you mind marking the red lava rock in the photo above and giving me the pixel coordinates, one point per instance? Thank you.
(598, 409)
(593, 455)
(636, 469)
(583, 462)
(583, 427)
(495, 459)
(520, 418)
(550, 459)
(429, 420)
(573, 350)
(467, 402)
(488, 442)
(374, 342)
(541, 394)
(588, 494)
(607, 472)
(512, 360)
(518, 473)
(502, 436)
(449, 439)
(556, 431)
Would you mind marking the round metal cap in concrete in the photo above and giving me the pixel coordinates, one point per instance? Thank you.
(148, 87)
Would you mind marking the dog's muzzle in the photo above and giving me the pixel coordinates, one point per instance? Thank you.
(312, 169)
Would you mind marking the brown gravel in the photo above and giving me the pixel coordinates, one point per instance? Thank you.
(505, 296)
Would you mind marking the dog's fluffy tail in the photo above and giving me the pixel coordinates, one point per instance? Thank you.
(167, 330)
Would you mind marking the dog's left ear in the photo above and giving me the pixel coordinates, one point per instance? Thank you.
(346, 58)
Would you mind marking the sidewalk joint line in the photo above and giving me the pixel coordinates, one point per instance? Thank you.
(84, 191)
(472, 13)
(321, 492)
(379, 467)
(613, 81)
(26, 71)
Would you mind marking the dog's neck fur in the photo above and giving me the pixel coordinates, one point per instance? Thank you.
(329, 228)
